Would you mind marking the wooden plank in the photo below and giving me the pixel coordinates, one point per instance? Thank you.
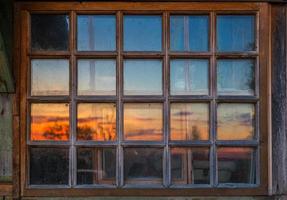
(6, 80)
(279, 140)
(5, 138)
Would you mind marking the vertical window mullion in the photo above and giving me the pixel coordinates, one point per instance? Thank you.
(213, 105)
(73, 117)
(120, 164)
(166, 157)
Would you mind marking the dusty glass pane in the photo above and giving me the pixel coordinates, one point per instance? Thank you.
(143, 121)
(49, 32)
(49, 166)
(96, 77)
(189, 77)
(142, 77)
(49, 77)
(96, 121)
(143, 164)
(190, 166)
(189, 33)
(235, 33)
(96, 33)
(236, 77)
(96, 166)
(142, 33)
(235, 121)
(49, 121)
(189, 121)
(236, 165)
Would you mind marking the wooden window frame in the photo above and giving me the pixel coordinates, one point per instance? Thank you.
(261, 10)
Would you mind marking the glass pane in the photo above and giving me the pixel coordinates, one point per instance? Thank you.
(236, 165)
(49, 166)
(143, 164)
(190, 165)
(189, 121)
(96, 77)
(96, 166)
(49, 77)
(143, 121)
(236, 33)
(189, 33)
(142, 33)
(49, 32)
(96, 121)
(235, 121)
(96, 33)
(49, 121)
(235, 77)
(142, 77)
(189, 77)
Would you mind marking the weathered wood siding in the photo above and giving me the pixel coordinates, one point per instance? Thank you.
(279, 112)
(5, 137)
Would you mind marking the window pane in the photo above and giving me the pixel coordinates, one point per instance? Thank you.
(189, 121)
(49, 32)
(143, 121)
(96, 33)
(190, 165)
(142, 33)
(142, 77)
(235, 77)
(236, 33)
(49, 121)
(49, 166)
(143, 164)
(235, 121)
(96, 77)
(189, 33)
(49, 77)
(96, 121)
(189, 77)
(236, 165)
(96, 166)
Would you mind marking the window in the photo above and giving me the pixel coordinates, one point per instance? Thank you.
(129, 97)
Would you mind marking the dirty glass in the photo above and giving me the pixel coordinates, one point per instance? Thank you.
(143, 121)
(96, 77)
(235, 121)
(236, 77)
(96, 166)
(236, 165)
(142, 33)
(190, 165)
(96, 121)
(189, 33)
(142, 77)
(189, 77)
(96, 33)
(49, 165)
(49, 121)
(236, 33)
(143, 164)
(50, 32)
(49, 77)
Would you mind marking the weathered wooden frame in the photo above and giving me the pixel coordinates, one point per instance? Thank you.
(22, 17)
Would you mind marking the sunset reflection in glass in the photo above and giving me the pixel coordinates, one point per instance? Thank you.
(235, 121)
(143, 121)
(50, 121)
(96, 121)
(49, 77)
(189, 121)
